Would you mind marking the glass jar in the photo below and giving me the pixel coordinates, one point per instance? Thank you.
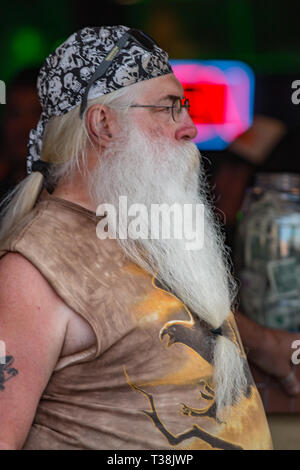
(267, 251)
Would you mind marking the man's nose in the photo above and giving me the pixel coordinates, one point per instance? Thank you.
(186, 129)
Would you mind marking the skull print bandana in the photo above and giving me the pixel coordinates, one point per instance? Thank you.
(66, 73)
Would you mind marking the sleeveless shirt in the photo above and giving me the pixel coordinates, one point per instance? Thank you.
(147, 381)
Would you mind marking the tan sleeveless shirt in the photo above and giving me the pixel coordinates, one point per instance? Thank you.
(147, 383)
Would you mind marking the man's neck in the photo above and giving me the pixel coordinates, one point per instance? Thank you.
(75, 192)
(76, 189)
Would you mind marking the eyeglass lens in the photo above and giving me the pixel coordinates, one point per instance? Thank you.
(178, 106)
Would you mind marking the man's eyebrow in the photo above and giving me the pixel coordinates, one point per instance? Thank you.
(170, 97)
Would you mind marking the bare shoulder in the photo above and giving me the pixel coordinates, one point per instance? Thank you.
(16, 268)
(32, 330)
(23, 286)
(27, 296)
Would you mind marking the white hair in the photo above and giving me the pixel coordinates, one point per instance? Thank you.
(65, 144)
(151, 170)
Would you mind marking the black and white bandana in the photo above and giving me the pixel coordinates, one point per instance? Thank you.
(65, 74)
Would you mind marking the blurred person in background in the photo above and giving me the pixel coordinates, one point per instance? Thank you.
(268, 146)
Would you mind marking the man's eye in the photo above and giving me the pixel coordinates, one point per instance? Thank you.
(163, 108)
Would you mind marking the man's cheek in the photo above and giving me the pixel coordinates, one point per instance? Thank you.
(158, 132)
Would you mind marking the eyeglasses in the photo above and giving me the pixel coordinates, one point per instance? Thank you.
(176, 108)
(139, 37)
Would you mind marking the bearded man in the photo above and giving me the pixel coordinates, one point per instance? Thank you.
(125, 343)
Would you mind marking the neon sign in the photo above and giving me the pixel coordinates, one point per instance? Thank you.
(221, 94)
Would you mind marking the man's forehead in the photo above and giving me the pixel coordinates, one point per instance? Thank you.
(161, 87)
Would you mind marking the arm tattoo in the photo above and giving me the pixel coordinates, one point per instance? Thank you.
(6, 371)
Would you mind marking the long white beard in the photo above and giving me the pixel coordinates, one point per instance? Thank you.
(153, 170)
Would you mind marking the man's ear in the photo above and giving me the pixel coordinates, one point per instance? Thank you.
(100, 123)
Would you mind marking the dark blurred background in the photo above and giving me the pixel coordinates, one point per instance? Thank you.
(263, 33)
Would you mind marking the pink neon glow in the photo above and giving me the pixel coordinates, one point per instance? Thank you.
(236, 103)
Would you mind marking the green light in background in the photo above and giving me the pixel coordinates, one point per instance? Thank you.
(28, 46)
(239, 216)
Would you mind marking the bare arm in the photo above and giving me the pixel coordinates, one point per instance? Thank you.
(32, 327)
(271, 350)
